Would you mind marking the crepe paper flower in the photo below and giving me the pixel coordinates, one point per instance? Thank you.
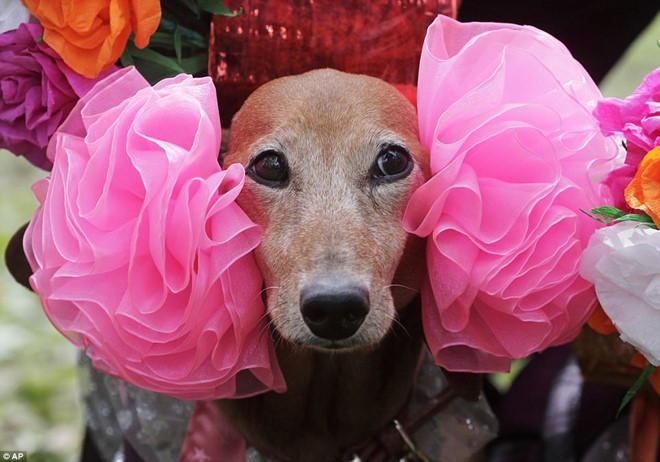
(637, 120)
(617, 181)
(515, 153)
(37, 93)
(643, 192)
(600, 322)
(12, 14)
(623, 261)
(140, 254)
(91, 35)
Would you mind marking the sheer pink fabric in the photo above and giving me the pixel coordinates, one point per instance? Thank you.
(140, 254)
(505, 112)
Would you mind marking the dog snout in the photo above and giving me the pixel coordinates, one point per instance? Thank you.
(333, 310)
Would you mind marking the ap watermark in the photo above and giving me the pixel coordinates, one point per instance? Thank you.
(13, 455)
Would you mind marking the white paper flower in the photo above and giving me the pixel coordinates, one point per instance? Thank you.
(623, 261)
(12, 14)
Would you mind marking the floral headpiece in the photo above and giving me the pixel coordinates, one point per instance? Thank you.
(141, 256)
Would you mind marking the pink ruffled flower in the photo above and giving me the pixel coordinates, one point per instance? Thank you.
(505, 112)
(37, 92)
(637, 120)
(140, 254)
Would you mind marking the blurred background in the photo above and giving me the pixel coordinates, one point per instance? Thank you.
(39, 407)
(39, 393)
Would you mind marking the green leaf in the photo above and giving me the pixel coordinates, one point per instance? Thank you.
(126, 59)
(151, 64)
(217, 7)
(607, 212)
(609, 215)
(189, 37)
(157, 59)
(177, 43)
(160, 39)
(600, 220)
(39, 39)
(192, 6)
(638, 218)
(166, 40)
(195, 65)
(630, 394)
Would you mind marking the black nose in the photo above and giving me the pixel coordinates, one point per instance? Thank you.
(334, 311)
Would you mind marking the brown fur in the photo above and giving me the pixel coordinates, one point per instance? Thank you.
(331, 221)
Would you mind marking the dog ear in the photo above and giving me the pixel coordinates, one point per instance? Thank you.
(15, 258)
(466, 385)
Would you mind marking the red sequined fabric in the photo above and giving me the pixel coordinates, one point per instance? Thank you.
(274, 38)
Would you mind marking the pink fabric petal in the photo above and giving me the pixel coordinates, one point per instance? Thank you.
(505, 112)
(140, 254)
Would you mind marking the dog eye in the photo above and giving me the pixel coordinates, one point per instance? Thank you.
(269, 168)
(393, 163)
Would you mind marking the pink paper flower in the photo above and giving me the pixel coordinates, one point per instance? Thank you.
(37, 92)
(637, 120)
(617, 181)
(623, 261)
(505, 112)
(140, 254)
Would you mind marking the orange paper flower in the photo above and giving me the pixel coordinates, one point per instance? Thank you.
(643, 192)
(600, 322)
(90, 35)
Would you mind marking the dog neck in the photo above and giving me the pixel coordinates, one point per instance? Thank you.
(333, 400)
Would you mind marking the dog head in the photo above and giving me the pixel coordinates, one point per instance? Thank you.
(331, 160)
